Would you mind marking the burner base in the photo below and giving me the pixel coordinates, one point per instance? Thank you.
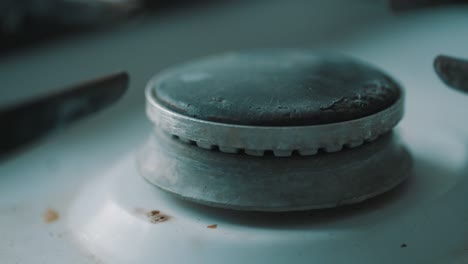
(269, 183)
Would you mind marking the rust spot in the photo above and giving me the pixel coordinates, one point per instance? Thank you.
(213, 226)
(51, 215)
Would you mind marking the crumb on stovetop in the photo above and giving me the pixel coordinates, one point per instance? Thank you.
(51, 215)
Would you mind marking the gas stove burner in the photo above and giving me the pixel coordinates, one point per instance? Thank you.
(282, 102)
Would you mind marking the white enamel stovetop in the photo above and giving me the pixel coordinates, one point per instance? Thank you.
(86, 173)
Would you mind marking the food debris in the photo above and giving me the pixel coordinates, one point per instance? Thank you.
(155, 216)
(51, 216)
(154, 212)
(213, 226)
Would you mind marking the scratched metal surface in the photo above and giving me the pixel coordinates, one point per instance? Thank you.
(87, 174)
(283, 79)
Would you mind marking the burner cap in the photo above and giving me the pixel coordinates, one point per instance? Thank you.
(275, 88)
(279, 101)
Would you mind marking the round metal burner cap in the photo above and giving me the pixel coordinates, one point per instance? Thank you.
(288, 88)
(280, 101)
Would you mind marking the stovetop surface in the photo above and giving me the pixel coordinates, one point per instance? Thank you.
(86, 173)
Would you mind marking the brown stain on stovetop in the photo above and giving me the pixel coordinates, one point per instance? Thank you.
(153, 216)
(156, 217)
(213, 226)
(50, 216)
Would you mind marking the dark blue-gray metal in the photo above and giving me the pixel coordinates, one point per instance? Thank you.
(28, 121)
(452, 71)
